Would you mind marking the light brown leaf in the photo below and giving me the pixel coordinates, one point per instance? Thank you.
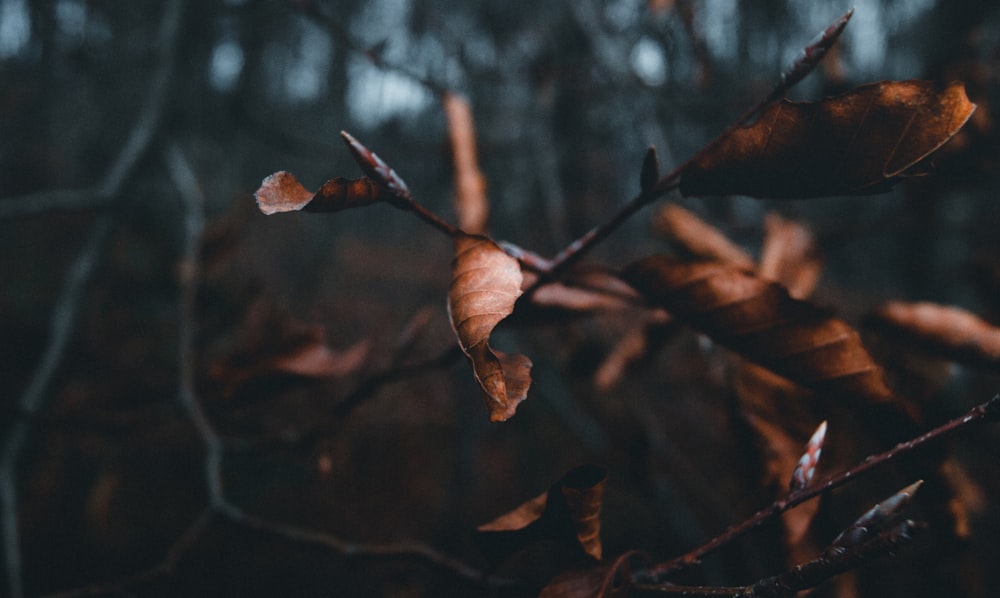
(699, 238)
(942, 330)
(282, 192)
(759, 320)
(485, 284)
(789, 256)
(568, 513)
(471, 206)
(856, 143)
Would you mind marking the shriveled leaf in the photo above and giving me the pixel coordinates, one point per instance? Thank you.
(282, 192)
(568, 513)
(471, 206)
(760, 321)
(856, 143)
(485, 284)
(699, 238)
(943, 330)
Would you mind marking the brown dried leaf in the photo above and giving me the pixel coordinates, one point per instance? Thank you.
(471, 206)
(485, 284)
(759, 320)
(789, 256)
(942, 330)
(568, 513)
(856, 143)
(282, 192)
(698, 237)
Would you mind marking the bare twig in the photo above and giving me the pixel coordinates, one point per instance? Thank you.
(802, 66)
(988, 411)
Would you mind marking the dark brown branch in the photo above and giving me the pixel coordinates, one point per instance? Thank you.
(988, 411)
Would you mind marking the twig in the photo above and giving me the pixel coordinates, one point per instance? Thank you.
(801, 67)
(988, 411)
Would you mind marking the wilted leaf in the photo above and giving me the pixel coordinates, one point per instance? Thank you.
(471, 206)
(699, 238)
(856, 143)
(282, 192)
(568, 513)
(760, 321)
(942, 330)
(485, 284)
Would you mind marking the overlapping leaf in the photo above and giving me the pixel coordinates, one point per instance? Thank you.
(485, 284)
(856, 143)
(761, 322)
(282, 192)
(568, 513)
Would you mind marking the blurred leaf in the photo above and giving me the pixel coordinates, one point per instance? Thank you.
(790, 256)
(568, 513)
(856, 143)
(942, 330)
(760, 321)
(471, 205)
(699, 238)
(485, 284)
(595, 580)
(282, 192)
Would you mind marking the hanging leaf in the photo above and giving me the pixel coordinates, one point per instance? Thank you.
(942, 330)
(856, 143)
(568, 513)
(485, 284)
(282, 192)
(761, 322)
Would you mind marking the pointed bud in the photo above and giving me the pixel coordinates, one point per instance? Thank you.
(379, 171)
(876, 518)
(806, 467)
(650, 173)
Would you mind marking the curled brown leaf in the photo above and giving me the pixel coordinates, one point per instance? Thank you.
(282, 192)
(761, 322)
(856, 143)
(485, 284)
(569, 512)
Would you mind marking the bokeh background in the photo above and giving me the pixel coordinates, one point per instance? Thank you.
(129, 128)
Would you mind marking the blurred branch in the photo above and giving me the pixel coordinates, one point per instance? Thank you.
(139, 141)
(64, 315)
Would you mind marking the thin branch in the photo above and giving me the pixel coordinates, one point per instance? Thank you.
(802, 66)
(987, 412)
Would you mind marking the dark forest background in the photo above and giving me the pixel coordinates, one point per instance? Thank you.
(138, 278)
